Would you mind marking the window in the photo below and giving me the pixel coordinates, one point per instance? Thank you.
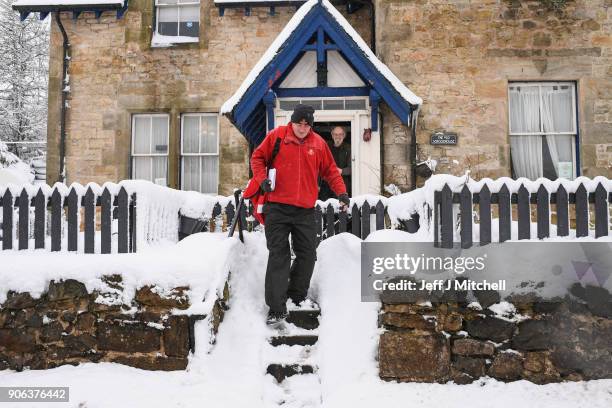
(543, 129)
(200, 152)
(327, 104)
(178, 18)
(150, 147)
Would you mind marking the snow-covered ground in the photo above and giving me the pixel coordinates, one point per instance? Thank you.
(232, 372)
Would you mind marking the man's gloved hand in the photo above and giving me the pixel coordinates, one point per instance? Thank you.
(345, 201)
(266, 186)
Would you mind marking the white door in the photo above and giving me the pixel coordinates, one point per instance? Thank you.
(365, 169)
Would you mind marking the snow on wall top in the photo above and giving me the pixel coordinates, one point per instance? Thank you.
(68, 3)
(274, 48)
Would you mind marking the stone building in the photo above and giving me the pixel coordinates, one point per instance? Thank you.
(180, 92)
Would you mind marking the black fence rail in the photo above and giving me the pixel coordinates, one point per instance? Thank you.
(579, 211)
(358, 220)
(61, 215)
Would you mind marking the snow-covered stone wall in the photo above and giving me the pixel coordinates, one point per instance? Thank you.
(70, 325)
(539, 341)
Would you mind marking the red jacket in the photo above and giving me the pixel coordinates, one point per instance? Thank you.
(298, 165)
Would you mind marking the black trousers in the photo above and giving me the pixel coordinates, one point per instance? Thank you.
(283, 279)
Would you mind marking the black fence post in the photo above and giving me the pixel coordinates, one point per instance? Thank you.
(465, 206)
(582, 211)
(56, 220)
(343, 220)
(122, 221)
(447, 226)
(562, 203)
(73, 220)
(24, 219)
(40, 209)
(601, 211)
(329, 219)
(355, 221)
(365, 219)
(106, 222)
(505, 213)
(543, 212)
(380, 215)
(7, 220)
(90, 221)
(484, 209)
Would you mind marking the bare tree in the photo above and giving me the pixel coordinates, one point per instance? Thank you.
(24, 72)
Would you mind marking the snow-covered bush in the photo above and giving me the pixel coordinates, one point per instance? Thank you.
(13, 169)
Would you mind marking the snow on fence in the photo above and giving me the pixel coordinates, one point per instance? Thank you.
(53, 218)
(561, 208)
(97, 219)
(366, 214)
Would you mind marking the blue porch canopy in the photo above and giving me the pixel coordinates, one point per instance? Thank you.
(317, 26)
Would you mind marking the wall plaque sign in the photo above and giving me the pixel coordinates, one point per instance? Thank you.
(443, 138)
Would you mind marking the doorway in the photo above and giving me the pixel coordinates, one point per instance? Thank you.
(342, 154)
(366, 163)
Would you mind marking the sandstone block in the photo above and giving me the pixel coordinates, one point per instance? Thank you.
(411, 357)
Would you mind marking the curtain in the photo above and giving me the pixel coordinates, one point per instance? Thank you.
(191, 173)
(142, 168)
(525, 118)
(150, 137)
(200, 173)
(210, 174)
(142, 128)
(557, 117)
(527, 156)
(208, 135)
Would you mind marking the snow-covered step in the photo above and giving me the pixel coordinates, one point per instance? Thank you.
(282, 371)
(288, 354)
(302, 340)
(302, 391)
(307, 319)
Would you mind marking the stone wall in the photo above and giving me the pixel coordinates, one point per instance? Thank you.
(541, 342)
(459, 57)
(115, 73)
(68, 325)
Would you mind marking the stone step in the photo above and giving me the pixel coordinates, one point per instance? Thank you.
(305, 319)
(294, 340)
(282, 371)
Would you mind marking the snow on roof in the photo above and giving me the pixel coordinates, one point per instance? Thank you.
(68, 3)
(274, 48)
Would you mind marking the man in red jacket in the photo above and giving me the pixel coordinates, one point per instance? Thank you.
(302, 157)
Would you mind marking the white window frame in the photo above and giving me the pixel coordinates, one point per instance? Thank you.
(572, 85)
(178, 6)
(200, 115)
(151, 116)
(305, 100)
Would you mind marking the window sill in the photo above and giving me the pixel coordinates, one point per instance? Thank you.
(164, 41)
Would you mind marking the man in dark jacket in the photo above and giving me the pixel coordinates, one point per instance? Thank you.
(301, 158)
(342, 156)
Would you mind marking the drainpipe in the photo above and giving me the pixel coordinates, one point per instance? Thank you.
(370, 4)
(413, 146)
(64, 90)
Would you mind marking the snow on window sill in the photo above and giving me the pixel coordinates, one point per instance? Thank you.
(159, 41)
